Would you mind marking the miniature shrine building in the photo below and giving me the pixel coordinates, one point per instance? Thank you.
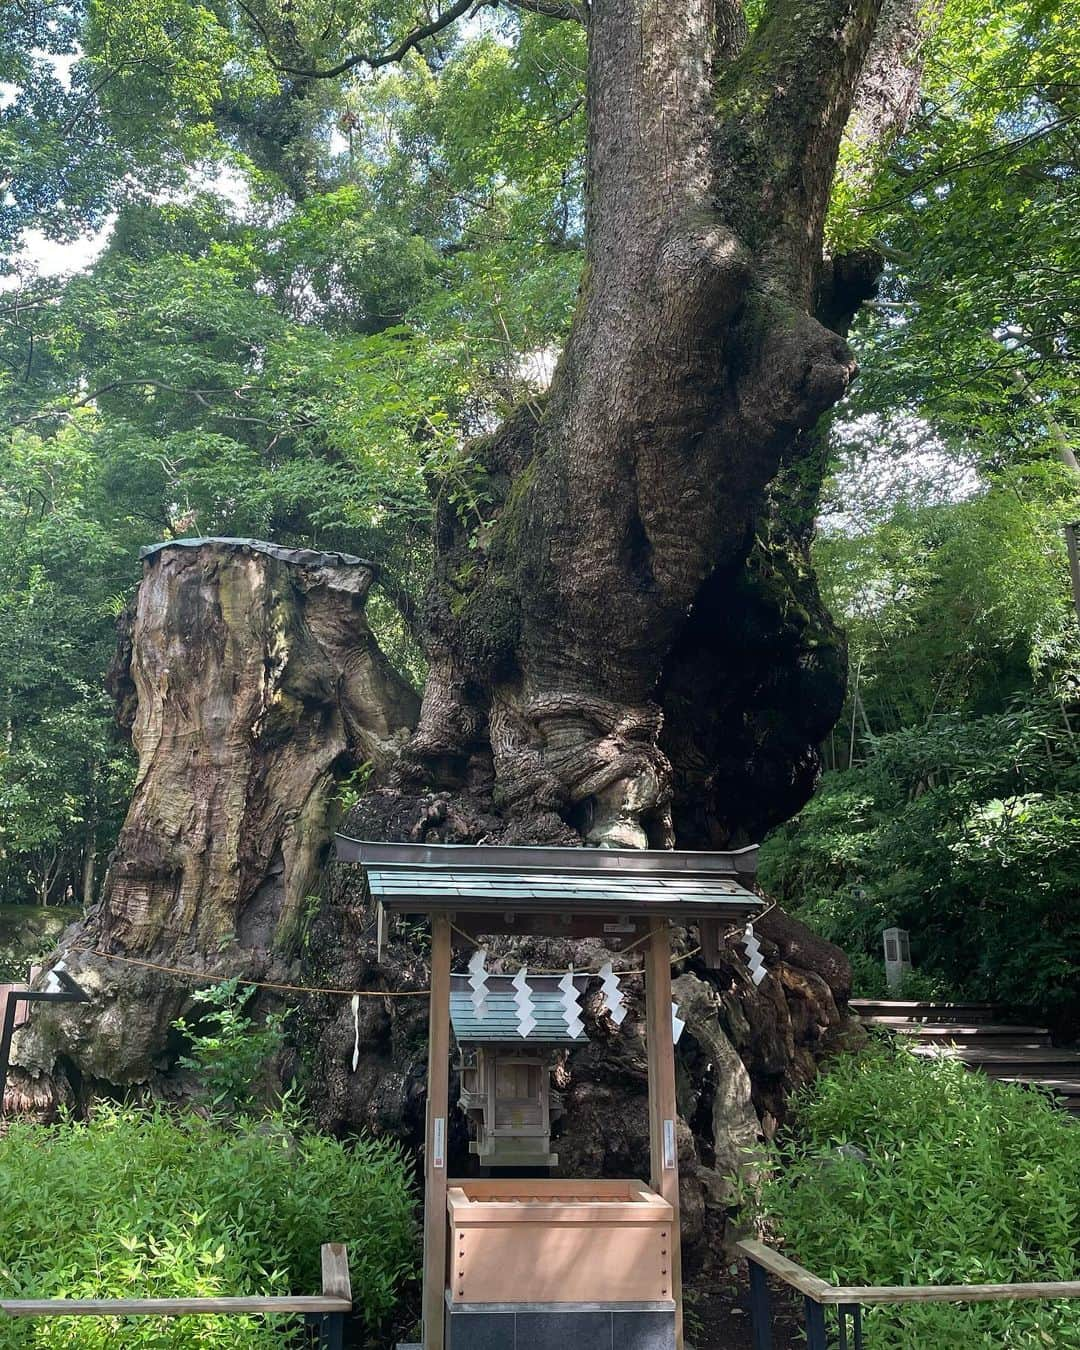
(516, 1261)
(506, 1069)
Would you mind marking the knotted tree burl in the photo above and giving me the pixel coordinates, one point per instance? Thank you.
(626, 648)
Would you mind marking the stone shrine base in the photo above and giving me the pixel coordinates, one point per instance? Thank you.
(560, 1326)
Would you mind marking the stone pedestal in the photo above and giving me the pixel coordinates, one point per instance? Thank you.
(560, 1326)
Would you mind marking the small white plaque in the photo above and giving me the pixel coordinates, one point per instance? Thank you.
(669, 1145)
(438, 1143)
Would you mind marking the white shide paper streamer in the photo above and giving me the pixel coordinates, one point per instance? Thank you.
(571, 1006)
(478, 983)
(356, 1031)
(523, 999)
(613, 998)
(754, 959)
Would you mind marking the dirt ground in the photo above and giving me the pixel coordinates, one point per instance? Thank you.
(719, 1319)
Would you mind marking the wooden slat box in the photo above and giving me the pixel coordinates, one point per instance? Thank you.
(558, 1241)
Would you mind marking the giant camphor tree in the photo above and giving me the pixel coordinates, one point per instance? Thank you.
(597, 647)
(624, 639)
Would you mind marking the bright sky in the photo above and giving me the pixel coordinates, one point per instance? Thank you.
(888, 460)
(50, 258)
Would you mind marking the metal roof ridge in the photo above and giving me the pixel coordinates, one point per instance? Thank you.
(643, 862)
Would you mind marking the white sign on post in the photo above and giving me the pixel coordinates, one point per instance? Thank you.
(438, 1144)
(669, 1145)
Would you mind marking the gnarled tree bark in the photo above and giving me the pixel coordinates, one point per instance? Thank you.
(610, 568)
(257, 684)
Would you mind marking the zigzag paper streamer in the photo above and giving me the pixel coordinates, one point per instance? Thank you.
(571, 1006)
(616, 1005)
(478, 983)
(523, 999)
(678, 1026)
(754, 958)
(53, 984)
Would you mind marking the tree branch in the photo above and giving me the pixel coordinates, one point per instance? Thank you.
(784, 104)
(372, 60)
(551, 9)
(202, 396)
(888, 87)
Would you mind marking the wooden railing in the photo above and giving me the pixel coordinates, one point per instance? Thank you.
(849, 1300)
(327, 1310)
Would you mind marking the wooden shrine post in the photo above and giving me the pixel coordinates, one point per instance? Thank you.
(438, 1088)
(663, 1143)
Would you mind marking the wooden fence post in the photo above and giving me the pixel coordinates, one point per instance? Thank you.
(336, 1283)
(663, 1139)
(815, 1325)
(438, 1090)
(760, 1308)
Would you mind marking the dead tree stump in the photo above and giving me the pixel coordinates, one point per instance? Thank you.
(258, 684)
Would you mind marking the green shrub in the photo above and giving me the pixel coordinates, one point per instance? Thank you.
(147, 1203)
(966, 832)
(230, 1051)
(966, 1181)
(868, 981)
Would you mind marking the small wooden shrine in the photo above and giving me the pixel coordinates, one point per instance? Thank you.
(512, 1263)
(505, 1066)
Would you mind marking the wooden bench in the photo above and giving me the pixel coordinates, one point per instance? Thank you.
(327, 1310)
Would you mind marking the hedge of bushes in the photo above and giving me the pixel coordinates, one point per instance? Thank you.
(151, 1203)
(953, 1179)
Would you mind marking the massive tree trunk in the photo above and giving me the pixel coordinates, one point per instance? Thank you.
(254, 683)
(609, 575)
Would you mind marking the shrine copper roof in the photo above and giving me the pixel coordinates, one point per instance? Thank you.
(498, 1024)
(425, 878)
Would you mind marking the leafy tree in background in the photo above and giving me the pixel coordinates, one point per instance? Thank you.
(965, 831)
(953, 809)
(975, 209)
(64, 780)
(952, 606)
(969, 377)
(106, 103)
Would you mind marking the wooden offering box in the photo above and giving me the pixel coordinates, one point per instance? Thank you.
(558, 1241)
